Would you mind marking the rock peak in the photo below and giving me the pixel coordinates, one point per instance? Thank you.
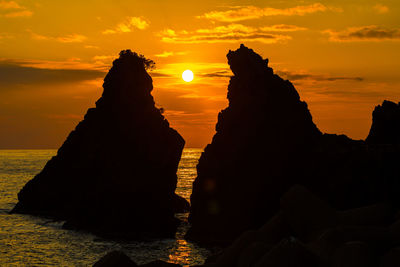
(133, 60)
(245, 61)
(385, 127)
(128, 81)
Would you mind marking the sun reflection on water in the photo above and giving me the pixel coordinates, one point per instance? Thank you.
(184, 252)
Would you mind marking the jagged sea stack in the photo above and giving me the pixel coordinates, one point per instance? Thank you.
(266, 142)
(115, 175)
(254, 155)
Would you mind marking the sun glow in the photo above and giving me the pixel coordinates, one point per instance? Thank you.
(187, 75)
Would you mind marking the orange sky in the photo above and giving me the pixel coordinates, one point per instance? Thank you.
(342, 56)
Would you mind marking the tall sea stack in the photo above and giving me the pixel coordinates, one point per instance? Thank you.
(115, 175)
(254, 155)
(266, 142)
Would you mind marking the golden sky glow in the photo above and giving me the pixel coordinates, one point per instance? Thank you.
(342, 56)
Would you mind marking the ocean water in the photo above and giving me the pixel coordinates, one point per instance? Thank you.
(33, 241)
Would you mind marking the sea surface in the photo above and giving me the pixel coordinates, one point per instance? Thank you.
(33, 241)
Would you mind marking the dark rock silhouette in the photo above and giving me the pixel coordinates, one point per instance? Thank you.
(115, 175)
(266, 142)
(306, 232)
(265, 115)
(385, 127)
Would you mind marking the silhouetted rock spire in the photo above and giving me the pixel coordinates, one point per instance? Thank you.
(115, 174)
(266, 142)
(385, 127)
(254, 155)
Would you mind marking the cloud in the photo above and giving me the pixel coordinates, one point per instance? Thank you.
(91, 47)
(9, 5)
(17, 14)
(70, 38)
(283, 28)
(229, 38)
(229, 34)
(167, 32)
(381, 9)
(364, 33)
(128, 25)
(218, 74)
(18, 73)
(251, 12)
(6, 36)
(103, 61)
(103, 58)
(11, 9)
(169, 54)
(73, 63)
(295, 76)
(160, 74)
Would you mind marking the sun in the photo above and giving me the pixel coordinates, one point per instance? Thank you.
(187, 75)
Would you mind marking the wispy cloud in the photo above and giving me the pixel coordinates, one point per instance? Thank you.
(230, 34)
(381, 9)
(295, 76)
(11, 9)
(19, 14)
(29, 73)
(364, 33)
(283, 28)
(9, 5)
(218, 74)
(103, 58)
(128, 25)
(5, 36)
(252, 12)
(73, 63)
(69, 38)
(170, 54)
(103, 61)
(91, 47)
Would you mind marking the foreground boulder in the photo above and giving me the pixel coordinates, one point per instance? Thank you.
(266, 142)
(115, 175)
(307, 232)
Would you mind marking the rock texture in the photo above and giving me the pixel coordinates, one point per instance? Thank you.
(115, 175)
(266, 142)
